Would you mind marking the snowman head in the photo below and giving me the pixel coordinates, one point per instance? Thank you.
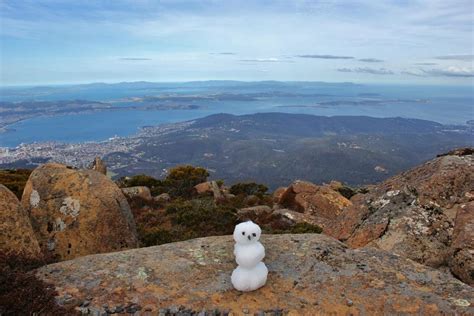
(247, 233)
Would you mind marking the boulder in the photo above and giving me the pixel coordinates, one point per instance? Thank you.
(461, 260)
(77, 212)
(320, 202)
(138, 191)
(99, 166)
(210, 187)
(266, 217)
(16, 233)
(309, 274)
(162, 198)
(278, 193)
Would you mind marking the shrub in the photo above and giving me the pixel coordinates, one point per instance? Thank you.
(202, 217)
(298, 228)
(250, 188)
(181, 180)
(15, 180)
(305, 228)
(346, 191)
(21, 292)
(138, 180)
(156, 237)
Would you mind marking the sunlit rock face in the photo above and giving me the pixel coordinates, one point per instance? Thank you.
(77, 212)
(424, 214)
(16, 233)
(309, 274)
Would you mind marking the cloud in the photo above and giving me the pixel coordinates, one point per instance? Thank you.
(224, 53)
(265, 60)
(426, 64)
(367, 70)
(456, 57)
(134, 58)
(456, 72)
(462, 72)
(412, 73)
(371, 60)
(325, 57)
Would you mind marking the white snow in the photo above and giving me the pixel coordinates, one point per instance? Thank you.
(251, 273)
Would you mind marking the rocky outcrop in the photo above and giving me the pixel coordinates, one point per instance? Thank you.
(461, 260)
(138, 191)
(77, 212)
(99, 166)
(321, 203)
(309, 274)
(413, 214)
(16, 233)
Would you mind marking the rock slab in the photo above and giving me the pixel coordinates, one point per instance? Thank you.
(310, 274)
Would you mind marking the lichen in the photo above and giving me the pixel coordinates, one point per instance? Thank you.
(460, 302)
(70, 207)
(142, 275)
(34, 198)
(59, 225)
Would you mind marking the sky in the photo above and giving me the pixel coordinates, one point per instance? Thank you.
(364, 41)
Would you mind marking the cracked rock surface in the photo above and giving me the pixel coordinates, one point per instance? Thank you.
(308, 274)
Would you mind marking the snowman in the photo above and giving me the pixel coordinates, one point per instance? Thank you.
(251, 273)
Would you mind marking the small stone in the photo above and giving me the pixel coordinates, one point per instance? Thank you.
(349, 302)
(174, 309)
(202, 313)
(85, 303)
(245, 310)
(259, 313)
(119, 309)
(162, 312)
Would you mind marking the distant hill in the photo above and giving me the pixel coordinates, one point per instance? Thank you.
(276, 148)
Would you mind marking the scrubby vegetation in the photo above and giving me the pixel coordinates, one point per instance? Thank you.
(15, 179)
(179, 182)
(21, 292)
(301, 228)
(251, 188)
(188, 214)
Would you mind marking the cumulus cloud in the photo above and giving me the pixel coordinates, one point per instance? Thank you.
(367, 70)
(134, 58)
(371, 60)
(325, 57)
(459, 72)
(456, 57)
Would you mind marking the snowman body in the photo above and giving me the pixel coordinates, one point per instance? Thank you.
(251, 273)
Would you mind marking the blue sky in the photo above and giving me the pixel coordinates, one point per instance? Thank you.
(54, 41)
